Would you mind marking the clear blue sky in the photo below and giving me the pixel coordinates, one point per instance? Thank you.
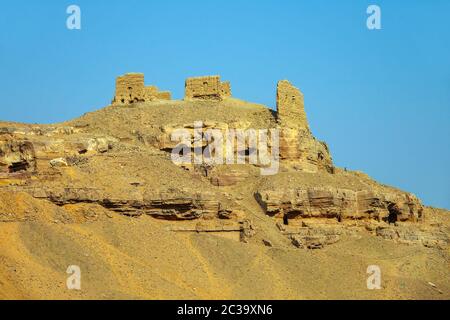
(381, 99)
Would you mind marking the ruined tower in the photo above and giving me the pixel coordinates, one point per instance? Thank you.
(130, 88)
(297, 144)
(290, 107)
(209, 87)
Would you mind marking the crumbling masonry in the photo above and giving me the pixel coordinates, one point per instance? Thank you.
(297, 144)
(130, 89)
(290, 106)
(209, 87)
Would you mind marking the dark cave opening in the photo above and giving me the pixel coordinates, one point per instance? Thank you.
(19, 166)
(393, 213)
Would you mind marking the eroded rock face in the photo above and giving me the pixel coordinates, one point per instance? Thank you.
(298, 149)
(297, 145)
(167, 205)
(340, 204)
(229, 178)
(410, 235)
(16, 155)
(316, 233)
(316, 217)
(303, 152)
(313, 241)
(182, 205)
(101, 144)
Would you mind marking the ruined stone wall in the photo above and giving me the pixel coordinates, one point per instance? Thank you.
(163, 95)
(209, 87)
(225, 89)
(292, 119)
(340, 203)
(297, 144)
(203, 87)
(130, 89)
(290, 107)
(150, 93)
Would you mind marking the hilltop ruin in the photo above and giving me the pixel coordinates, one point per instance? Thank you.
(130, 88)
(103, 189)
(36, 157)
(209, 87)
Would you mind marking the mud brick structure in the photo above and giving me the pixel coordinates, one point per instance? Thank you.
(226, 89)
(130, 88)
(163, 95)
(297, 144)
(290, 106)
(209, 87)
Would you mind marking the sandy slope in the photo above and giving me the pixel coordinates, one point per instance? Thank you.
(138, 259)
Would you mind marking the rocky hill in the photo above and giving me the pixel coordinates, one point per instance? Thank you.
(102, 192)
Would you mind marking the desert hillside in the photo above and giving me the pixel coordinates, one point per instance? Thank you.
(102, 192)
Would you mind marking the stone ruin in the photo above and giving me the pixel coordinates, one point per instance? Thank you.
(297, 144)
(130, 88)
(209, 87)
(290, 106)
